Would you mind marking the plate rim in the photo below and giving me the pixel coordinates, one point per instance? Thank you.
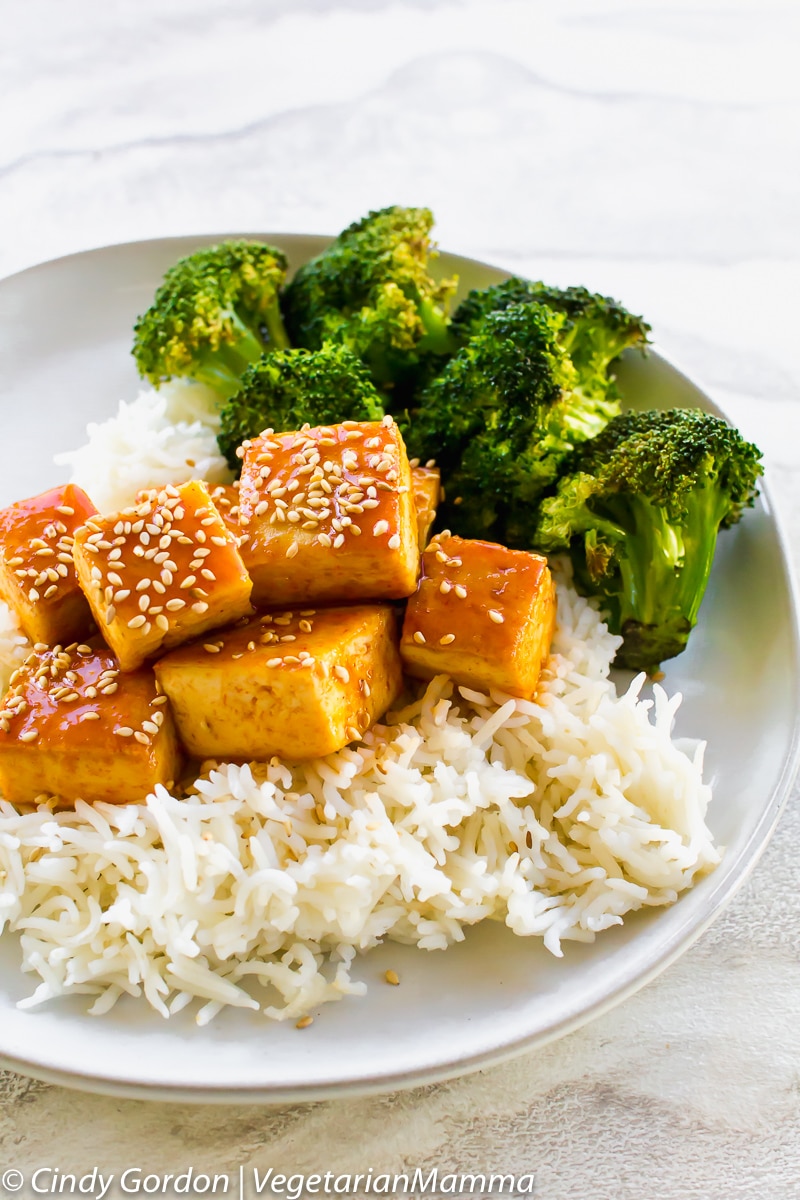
(682, 938)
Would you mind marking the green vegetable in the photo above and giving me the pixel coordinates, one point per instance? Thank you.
(500, 418)
(216, 312)
(372, 291)
(639, 508)
(288, 388)
(596, 328)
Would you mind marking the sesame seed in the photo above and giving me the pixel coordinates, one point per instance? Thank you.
(89, 716)
(342, 673)
(304, 1023)
(379, 528)
(445, 586)
(496, 616)
(273, 662)
(446, 639)
(189, 581)
(30, 736)
(175, 605)
(111, 614)
(338, 541)
(141, 737)
(66, 510)
(392, 977)
(292, 550)
(460, 591)
(150, 727)
(394, 542)
(200, 606)
(162, 623)
(137, 622)
(109, 689)
(419, 638)
(322, 538)
(353, 734)
(211, 648)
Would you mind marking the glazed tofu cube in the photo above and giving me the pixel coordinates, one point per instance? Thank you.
(226, 500)
(426, 487)
(329, 515)
(298, 684)
(161, 572)
(37, 574)
(73, 726)
(483, 614)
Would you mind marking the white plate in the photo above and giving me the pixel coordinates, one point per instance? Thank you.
(65, 336)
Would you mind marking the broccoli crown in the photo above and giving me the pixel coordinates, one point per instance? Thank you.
(216, 311)
(639, 507)
(290, 388)
(501, 417)
(595, 331)
(372, 290)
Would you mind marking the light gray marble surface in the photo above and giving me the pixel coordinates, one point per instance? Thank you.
(649, 150)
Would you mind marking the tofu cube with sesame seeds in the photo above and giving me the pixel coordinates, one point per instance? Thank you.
(329, 515)
(297, 684)
(483, 614)
(226, 499)
(161, 572)
(73, 726)
(426, 488)
(37, 574)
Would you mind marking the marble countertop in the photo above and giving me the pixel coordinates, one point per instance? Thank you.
(648, 150)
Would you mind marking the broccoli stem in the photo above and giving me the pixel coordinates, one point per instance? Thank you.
(278, 338)
(437, 338)
(222, 368)
(664, 569)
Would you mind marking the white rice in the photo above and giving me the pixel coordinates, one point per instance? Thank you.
(259, 889)
(556, 817)
(14, 646)
(168, 436)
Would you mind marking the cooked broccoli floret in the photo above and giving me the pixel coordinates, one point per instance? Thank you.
(216, 311)
(288, 388)
(500, 419)
(639, 507)
(596, 328)
(372, 291)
